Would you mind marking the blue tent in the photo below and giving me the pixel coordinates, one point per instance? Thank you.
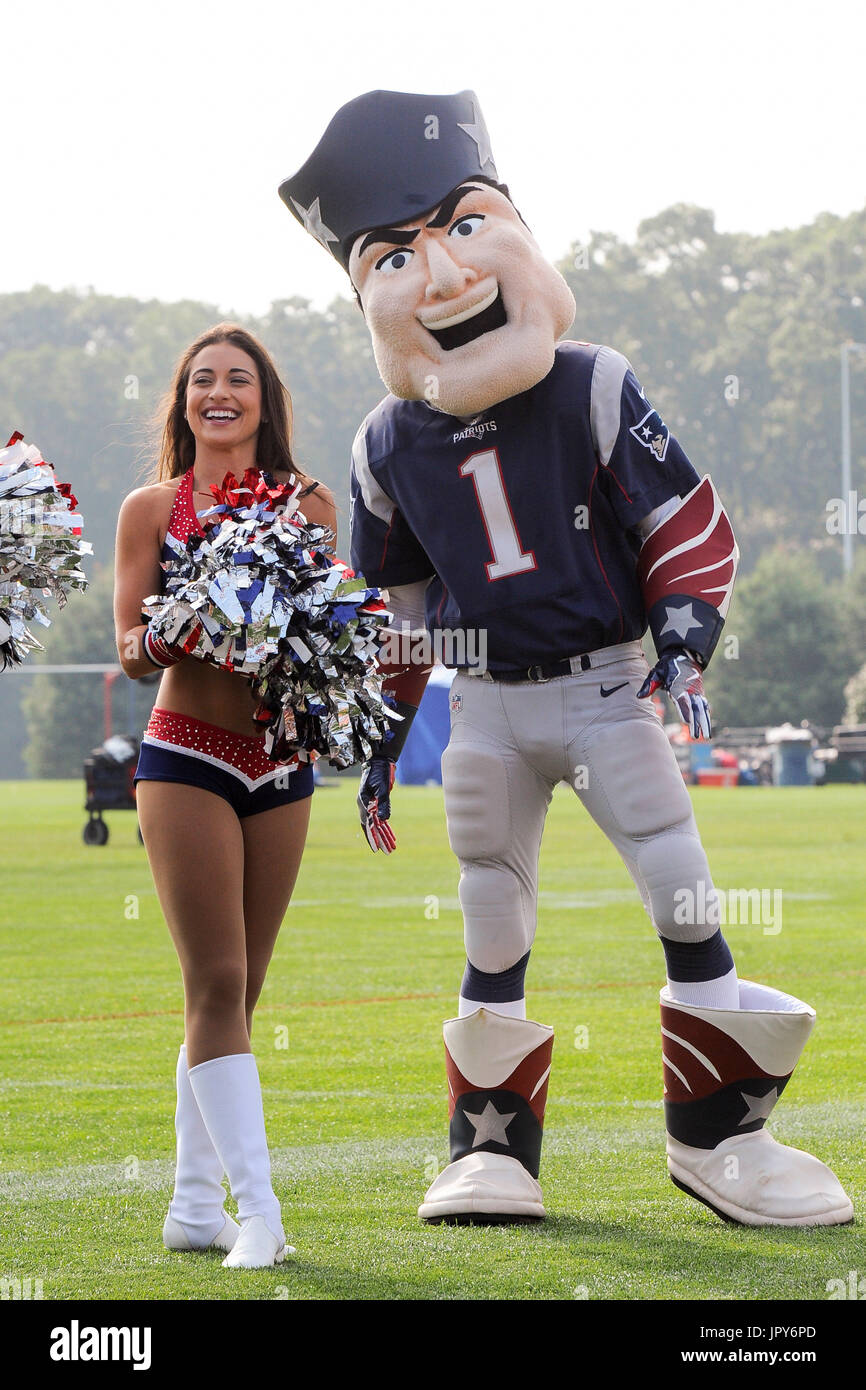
(419, 762)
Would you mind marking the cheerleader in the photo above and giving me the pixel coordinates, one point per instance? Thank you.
(223, 826)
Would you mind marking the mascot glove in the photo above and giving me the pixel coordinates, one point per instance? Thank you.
(680, 675)
(374, 802)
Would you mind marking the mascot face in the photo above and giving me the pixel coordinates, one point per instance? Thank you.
(463, 308)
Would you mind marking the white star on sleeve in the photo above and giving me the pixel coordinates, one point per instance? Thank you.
(680, 620)
(759, 1106)
(312, 219)
(490, 1126)
(477, 131)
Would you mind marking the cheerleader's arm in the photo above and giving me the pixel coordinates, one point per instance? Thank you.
(137, 575)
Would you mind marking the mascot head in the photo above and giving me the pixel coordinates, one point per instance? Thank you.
(463, 308)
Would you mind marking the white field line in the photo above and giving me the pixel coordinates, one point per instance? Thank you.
(601, 897)
(552, 900)
(287, 1164)
(351, 1157)
(163, 1096)
(154, 1175)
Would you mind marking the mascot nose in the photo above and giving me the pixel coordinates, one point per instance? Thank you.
(446, 278)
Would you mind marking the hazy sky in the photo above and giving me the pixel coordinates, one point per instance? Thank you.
(142, 145)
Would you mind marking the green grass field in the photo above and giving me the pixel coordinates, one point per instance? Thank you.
(366, 969)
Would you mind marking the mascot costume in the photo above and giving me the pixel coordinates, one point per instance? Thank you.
(523, 490)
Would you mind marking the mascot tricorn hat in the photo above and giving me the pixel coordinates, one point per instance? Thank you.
(346, 187)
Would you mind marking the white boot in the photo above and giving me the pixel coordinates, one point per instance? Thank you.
(196, 1219)
(229, 1097)
(724, 1071)
(497, 1079)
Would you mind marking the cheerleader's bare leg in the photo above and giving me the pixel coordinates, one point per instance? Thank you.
(197, 843)
(273, 846)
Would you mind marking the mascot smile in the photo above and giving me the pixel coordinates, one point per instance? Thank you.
(468, 311)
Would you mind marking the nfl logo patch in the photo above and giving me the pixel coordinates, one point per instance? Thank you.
(456, 703)
(652, 433)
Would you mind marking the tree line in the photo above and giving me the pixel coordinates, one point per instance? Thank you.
(735, 338)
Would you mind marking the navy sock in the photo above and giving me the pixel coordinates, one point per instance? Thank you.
(497, 987)
(690, 961)
(702, 973)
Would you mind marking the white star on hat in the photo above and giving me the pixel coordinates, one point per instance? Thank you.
(759, 1106)
(680, 620)
(490, 1126)
(477, 131)
(312, 219)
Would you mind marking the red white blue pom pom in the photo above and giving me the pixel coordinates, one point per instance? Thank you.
(40, 546)
(262, 594)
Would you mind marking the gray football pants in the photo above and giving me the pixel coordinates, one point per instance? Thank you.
(511, 744)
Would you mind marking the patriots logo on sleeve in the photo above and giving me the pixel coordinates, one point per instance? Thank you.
(652, 433)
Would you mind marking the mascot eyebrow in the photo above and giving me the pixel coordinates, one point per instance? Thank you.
(400, 237)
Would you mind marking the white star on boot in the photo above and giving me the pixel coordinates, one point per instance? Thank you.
(490, 1126)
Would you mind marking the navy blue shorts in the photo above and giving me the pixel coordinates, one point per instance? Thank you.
(177, 748)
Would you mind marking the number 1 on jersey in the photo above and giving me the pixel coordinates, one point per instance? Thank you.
(509, 557)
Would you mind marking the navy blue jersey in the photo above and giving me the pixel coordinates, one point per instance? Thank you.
(524, 519)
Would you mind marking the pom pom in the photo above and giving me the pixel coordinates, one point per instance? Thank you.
(262, 594)
(40, 546)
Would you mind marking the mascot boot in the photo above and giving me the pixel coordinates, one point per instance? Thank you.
(498, 1069)
(724, 1070)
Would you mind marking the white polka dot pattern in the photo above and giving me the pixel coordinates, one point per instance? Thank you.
(241, 754)
(183, 521)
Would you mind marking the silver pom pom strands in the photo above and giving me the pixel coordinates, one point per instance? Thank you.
(40, 546)
(263, 594)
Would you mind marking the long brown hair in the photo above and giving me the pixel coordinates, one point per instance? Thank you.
(176, 446)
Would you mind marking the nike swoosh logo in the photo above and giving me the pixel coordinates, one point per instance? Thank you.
(613, 689)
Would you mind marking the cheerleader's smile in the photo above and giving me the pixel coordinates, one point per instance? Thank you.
(220, 417)
(223, 395)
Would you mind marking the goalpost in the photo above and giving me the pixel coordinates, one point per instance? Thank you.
(110, 671)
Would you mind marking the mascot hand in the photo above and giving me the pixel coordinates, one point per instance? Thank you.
(678, 673)
(374, 802)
